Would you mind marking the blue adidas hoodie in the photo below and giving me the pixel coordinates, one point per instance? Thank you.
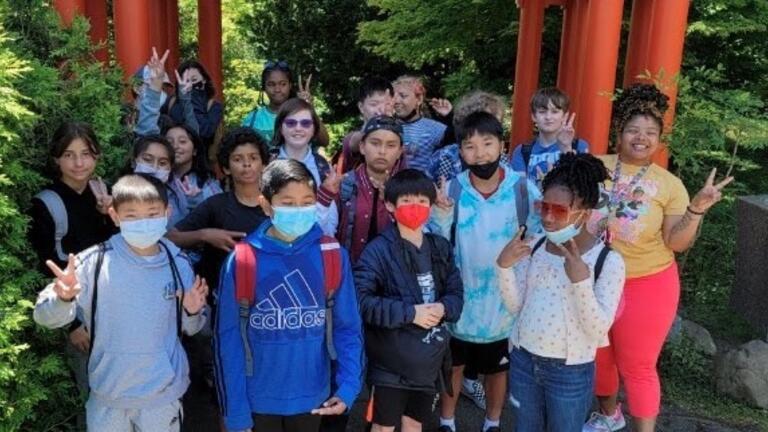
(286, 332)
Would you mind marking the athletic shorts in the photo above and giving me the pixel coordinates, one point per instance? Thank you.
(484, 358)
(390, 404)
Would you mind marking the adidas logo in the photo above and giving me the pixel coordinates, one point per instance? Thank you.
(291, 305)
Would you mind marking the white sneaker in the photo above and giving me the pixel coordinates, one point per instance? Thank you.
(600, 422)
(474, 390)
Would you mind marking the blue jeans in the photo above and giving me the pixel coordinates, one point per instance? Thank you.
(547, 394)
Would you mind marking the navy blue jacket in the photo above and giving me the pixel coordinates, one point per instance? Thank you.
(400, 353)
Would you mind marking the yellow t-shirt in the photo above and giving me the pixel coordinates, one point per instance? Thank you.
(636, 222)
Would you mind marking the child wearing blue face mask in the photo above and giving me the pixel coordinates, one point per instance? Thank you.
(137, 370)
(274, 353)
(565, 287)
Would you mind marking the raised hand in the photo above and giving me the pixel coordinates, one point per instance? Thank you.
(101, 193)
(156, 65)
(332, 181)
(443, 200)
(575, 268)
(65, 285)
(304, 92)
(333, 406)
(222, 239)
(80, 339)
(517, 249)
(441, 106)
(189, 189)
(184, 83)
(710, 194)
(567, 133)
(195, 298)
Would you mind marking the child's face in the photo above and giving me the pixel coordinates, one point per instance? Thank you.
(195, 76)
(277, 87)
(294, 194)
(298, 129)
(183, 147)
(381, 149)
(407, 200)
(379, 103)
(77, 162)
(639, 140)
(479, 149)
(558, 209)
(135, 210)
(406, 101)
(549, 119)
(245, 164)
(156, 155)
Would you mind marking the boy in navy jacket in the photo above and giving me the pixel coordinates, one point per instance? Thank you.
(288, 384)
(408, 286)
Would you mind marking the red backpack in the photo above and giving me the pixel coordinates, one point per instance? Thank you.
(246, 274)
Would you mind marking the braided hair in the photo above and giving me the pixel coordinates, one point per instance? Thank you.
(639, 100)
(582, 174)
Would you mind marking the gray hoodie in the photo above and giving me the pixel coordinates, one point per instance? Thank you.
(137, 360)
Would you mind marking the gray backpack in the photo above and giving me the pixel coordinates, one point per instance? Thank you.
(55, 206)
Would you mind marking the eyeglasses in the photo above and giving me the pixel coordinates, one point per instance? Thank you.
(557, 211)
(280, 64)
(304, 123)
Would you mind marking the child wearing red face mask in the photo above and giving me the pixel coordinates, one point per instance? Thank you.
(408, 287)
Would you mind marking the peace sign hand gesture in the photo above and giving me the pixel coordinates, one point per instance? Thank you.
(304, 92)
(184, 82)
(189, 189)
(567, 133)
(103, 198)
(65, 285)
(576, 269)
(710, 194)
(156, 65)
(514, 251)
(332, 181)
(443, 201)
(195, 299)
(441, 106)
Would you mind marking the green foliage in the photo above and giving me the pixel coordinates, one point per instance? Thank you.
(242, 66)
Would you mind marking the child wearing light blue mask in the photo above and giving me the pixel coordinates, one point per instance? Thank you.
(138, 370)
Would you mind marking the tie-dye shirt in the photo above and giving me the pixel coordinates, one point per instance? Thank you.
(484, 227)
(635, 225)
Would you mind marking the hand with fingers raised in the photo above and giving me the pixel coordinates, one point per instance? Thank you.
(184, 82)
(443, 201)
(332, 181)
(304, 91)
(66, 285)
(156, 65)
(189, 189)
(517, 249)
(441, 106)
(710, 194)
(101, 193)
(195, 298)
(567, 133)
(575, 268)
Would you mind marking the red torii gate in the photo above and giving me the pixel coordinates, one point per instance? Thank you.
(589, 50)
(141, 24)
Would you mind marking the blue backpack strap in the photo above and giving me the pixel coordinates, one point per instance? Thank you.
(521, 200)
(454, 193)
(58, 211)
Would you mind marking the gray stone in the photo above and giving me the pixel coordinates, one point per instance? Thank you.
(742, 373)
(700, 337)
(749, 296)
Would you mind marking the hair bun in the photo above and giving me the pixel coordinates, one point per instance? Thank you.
(639, 99)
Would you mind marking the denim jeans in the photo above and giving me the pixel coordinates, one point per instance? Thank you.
(547, 394)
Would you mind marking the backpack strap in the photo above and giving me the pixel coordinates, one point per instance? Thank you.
(245, 292)
(323, 168)
(575, 145)
(521, 200)
(178, 286)
(526, 150)
(331, 251)
(58, 211)
(348, 201)
(538, 244)
(95, 292)
(454, 193)
(601, 261)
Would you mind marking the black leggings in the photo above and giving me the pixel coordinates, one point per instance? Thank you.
(294, 423)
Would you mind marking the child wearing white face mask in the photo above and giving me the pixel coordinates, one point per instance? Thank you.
(138, 370)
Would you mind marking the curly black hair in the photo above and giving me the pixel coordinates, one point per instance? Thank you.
(639, 100)
(582, 174)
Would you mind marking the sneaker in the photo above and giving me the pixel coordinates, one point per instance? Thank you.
(599, 422)
(474, 390)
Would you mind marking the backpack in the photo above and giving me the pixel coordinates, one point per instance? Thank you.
(58, 211)
(527, 148)
(246, 275)
(598, 264)
(521, 203)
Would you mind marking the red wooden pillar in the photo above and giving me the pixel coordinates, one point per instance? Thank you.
(665, 39)
(68, 9)
(172, 36)
(569, 42)
(96, 10)
(598, 76)
(526, 68)
(209, 40)
(579, 46)
(158, 20)
(131, 34)
(639, 38)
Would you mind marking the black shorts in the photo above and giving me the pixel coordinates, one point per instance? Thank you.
(483, 358)
(390, 404)
(293, 423)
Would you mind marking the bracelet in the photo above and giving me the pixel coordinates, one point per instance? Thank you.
(695, 212)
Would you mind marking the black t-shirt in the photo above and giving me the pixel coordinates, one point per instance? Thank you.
(421, 259)
(86, 226)
(222, 211)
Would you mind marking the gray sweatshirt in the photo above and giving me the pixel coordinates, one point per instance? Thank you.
(137, 360)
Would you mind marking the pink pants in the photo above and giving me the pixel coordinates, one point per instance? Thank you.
(645, 315)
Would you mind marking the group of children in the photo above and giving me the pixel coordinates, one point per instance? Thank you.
(426, 254)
